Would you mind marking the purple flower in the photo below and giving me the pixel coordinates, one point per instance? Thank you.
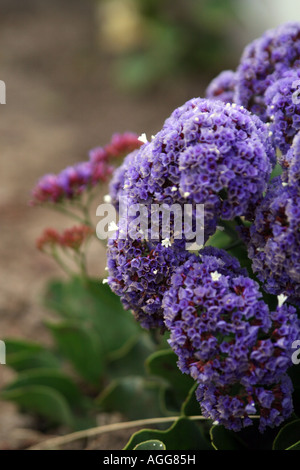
(283, 110)
(274, 241)
(222, 87)
(226, 338)
(263, 62)
(206, 153)
(233, 406)
(292, 163)
(140, 272)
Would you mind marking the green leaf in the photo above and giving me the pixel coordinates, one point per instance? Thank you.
(223, 439)
(94, 305)
(183, 434)
(135, 397)
(153, 444)
(190, 406)
(130, 360)
(220, 239)
(42, 400)
(294, 446)
(163, 364)
(49, 378)
(82, 347)
(288, 436)
(22, 355)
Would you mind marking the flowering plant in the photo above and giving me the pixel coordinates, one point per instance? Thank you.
(226, 311)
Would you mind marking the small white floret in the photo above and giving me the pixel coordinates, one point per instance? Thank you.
(166, 243)
(215, 276)
(112, 226)
(143, 138)
(281, 299)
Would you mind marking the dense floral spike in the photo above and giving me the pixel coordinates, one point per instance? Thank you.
(222, 87)
(119, 146)
(74, 180)
(49, 237)
(283, 109)
(216, 318)
(75, 237)
(71, 238)
(232, 407)
(274, 241)
(140, 272)
(206, 153)
(263, 62)
(47, 190)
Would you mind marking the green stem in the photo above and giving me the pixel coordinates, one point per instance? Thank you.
(59, 261)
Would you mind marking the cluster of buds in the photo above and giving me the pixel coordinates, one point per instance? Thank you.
(72, 238)
(74, 180)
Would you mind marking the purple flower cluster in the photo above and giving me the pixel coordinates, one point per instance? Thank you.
(234, 408)
(292, 164)
(221, 330)
(274, 241)
(283, 108)
(74, 180)
(263, 62)
(140, 272)
(222, 87)
(206, 153)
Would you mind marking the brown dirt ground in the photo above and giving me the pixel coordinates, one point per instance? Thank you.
(60, 103)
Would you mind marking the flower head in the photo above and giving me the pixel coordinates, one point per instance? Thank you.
(283, 110)
(215, 155)
(263, 62)
(232, 407)
(140, 272)
(217, 324)
(274, 241)
(222, 87)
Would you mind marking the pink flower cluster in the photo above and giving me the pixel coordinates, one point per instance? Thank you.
(74, 180)
(72, 238)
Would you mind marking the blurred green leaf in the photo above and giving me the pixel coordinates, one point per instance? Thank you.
(43, 401)
(219, 240)
(82, 347)
(184, 434)
(130, 360)
(294, 446)
(163, 364)
(153, 444)
(190, 406)
(97, 308)
(48, 378)
(23, 355)
(135, 397)
(288, 436)
(223, 439)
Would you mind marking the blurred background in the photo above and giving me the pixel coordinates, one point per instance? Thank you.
(76, 71)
